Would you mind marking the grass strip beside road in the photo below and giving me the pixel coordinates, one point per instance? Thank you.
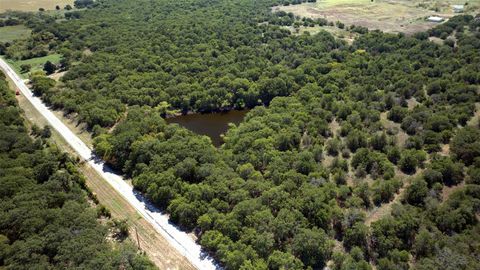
(155, 246)
(36, 64)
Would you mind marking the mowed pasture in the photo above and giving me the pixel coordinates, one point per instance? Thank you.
(32, 5)
(387, 15)
(36, 64)
(11, 33)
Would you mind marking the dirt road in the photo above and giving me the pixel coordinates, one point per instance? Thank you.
(181, 241)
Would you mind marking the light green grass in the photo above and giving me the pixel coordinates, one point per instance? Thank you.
(35, 63)
(11, 33)
(32, 5)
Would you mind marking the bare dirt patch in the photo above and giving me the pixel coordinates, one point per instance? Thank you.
(334, 127)
(475, 120)
(449, 190)
(401, 136)
(57, 75)
(412, 103)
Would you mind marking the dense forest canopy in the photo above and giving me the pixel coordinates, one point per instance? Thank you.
(45, 220)
(339, 132)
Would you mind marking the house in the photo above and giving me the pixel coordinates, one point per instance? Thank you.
(435, 19)
(458, 8)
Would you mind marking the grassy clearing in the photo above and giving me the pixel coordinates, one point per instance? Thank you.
(156, 247)
(35, 63)
(11, 33)
(32, 5)
(335, 31)
(387, 15)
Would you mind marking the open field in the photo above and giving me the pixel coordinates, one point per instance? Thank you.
(11, 33)
(386, 15)
(35, 63)
(32, 5)
(155, 246)
(335, 31)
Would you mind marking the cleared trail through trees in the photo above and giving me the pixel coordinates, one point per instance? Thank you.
(181, 241)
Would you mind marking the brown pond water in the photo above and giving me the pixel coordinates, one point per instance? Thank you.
(211, 124)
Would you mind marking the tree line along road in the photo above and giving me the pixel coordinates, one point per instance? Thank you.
(183, 243)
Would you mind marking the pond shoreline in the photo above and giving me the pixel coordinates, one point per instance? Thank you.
(211, 124)
(184, 113)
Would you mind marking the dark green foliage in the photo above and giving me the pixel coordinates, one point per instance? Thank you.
(49, 67)
(46, 221)
(410, 160)
(451, 173)
(271, 196)
(384, 191)
(312, 247)
(416, 192)
(42, 85)
(466, 145)
(458, 212)
(357, 235)
(372, 162)
(24, 68)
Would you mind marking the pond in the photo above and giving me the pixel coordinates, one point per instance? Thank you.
(211, 124)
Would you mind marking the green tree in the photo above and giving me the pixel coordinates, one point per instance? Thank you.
(416, 192)
(465, 145)
(24, 68)
(49, 67)
(312, 247)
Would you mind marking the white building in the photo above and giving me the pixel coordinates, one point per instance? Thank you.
(458, 8)
(435, 19)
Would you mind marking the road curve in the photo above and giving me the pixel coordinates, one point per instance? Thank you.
(178, 239)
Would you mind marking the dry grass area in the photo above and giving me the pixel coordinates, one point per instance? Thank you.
(386, 15)
(412, 103)
(80, 129)
(449, 190)
(445, 150)
(155, 246)
(475, 120)
(57, 75)
(345, 35)
(385, 209)
(402, 136)
(32, 5)
(11, 33)
(334, 127)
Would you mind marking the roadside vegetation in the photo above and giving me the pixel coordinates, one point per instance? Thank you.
(354, 156)
(47, 221)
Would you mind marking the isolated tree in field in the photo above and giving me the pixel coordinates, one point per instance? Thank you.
(68, 7)
(49, 67)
